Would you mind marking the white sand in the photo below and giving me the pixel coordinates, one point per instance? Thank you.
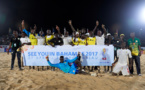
(53, 80)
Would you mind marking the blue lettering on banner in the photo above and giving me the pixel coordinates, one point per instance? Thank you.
(69, 53)
(46, 53)
(74, 53)
(66, 53)
(57, 53)
(32, 54)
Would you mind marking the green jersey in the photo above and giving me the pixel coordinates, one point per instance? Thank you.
(133, 45)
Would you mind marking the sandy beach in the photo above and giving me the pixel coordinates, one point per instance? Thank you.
(57, 80)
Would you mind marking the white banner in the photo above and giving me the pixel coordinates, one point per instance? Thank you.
(92, 55)
(1, 49)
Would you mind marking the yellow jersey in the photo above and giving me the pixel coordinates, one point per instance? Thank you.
(33, 39)
(91, 40)
(83, 42)
(48, 38)
(77, 41)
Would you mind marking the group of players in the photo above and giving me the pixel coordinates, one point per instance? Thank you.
(78, 37)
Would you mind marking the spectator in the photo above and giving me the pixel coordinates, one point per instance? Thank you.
(134, 46)
(15, 44)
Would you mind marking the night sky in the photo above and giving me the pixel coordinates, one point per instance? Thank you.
(115, 14)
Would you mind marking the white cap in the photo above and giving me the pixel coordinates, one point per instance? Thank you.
(77, 32)
(87, 34)
(108, 34)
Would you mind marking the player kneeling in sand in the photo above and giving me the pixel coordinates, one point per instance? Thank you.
(122, 56)
(67, 66)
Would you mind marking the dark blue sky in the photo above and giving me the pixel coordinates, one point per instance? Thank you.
(121, 14)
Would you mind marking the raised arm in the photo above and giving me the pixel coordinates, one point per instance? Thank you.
(23, 28)
(97, 24)
(23, 24)
(104, 29)
(27, 32)
(35, 27)
(53, 65)
(58, 29)
(71, 61)
(70, 23)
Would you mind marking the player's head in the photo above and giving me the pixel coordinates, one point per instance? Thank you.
(77, 34)
(122, 36)
(99, 33)
(123, 45)
(83, 36)
(66, 34)
(132, 34)
(91, 33)
(15, 33)
(115, 35)
(23, 34)
(48, 32)
(56, 35)
(83, 31)
(109, 37)
(61, 59)
(41, 33)
(32, 31)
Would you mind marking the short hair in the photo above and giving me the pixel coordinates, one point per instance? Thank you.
(23, 33)
(15, 31)
(132, 32)
(61, 56)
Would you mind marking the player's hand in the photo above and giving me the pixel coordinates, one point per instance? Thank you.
(139, 53)
(35, 26)
(57, 28)
(70, 22)
(47, 57)
(79, 52)
(97, 23)
(103, 26)
(113, 64)
(23, 22)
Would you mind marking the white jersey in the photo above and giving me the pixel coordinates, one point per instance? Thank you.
(40, 40)
(100, 40)
(24, 40)
(123, 55)
(66, 40)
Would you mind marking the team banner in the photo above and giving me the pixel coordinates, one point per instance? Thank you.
(92, 55)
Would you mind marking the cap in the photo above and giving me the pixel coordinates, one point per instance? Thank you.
(122, 35)
(87, 34)
(77, 32)
(108, 34)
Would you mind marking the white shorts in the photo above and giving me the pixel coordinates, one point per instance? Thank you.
(123, 68)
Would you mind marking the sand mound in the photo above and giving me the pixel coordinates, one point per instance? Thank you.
(53, 80)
